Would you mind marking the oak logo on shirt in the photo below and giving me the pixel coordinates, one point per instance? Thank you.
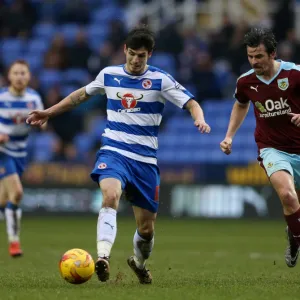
(129, 102)
(273, 108)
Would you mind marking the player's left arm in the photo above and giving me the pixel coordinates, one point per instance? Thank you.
(198, 116)
(181, 97)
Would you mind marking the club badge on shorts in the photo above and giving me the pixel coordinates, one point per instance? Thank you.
(102, 166)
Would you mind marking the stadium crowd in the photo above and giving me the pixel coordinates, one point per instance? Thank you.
(68, 42)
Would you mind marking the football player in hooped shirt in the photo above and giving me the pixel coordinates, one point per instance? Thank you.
(136, 95)
(16, 101)
(273, 87)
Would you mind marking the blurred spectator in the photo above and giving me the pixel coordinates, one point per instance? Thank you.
(204, 78)
(219, 45)
(285, 51)
(17, 19)
(67, 125)
(75, 11)
(207, 64)
(237, 54)
(79, 53)
(292, 45)
(66, 152)
(170, 40)
(56, 56)
(98, 61)
(117, 34)
(284, 18)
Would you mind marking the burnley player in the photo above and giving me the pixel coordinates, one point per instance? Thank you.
(16, 101)
(273, 87)
(136, 96)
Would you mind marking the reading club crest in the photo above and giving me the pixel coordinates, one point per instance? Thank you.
(147, 84)
(283, 83)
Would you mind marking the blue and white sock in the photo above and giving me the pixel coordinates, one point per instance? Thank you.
(142, 248)
(106, 231)
(13, 216)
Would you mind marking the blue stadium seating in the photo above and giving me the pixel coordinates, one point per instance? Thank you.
(35, 61)
(43, 145)
(179, 140)
(44, 30)
(164, 61)
(37, 46)
(12, 45)
(69, 31)
(107, 13)
(83, 143)
(76, 75)
(96, 127)
(50, 78)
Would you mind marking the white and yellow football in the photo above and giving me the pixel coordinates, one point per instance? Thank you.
(76, 266)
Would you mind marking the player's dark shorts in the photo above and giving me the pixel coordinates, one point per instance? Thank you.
(11, 165)
(139, 180)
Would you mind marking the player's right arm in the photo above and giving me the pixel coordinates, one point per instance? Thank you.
(40, 117)
(238, 114)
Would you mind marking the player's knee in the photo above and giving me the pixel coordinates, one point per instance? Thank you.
(17, 195)
(110, 198)
(289, 200)
(146, 230)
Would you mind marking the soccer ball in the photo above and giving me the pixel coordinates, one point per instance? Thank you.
(76, 266)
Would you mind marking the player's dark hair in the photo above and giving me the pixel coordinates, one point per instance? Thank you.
(257, 36)
(18, 61)
(140, 37)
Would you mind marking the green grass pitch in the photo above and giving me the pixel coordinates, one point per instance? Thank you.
(192, 259)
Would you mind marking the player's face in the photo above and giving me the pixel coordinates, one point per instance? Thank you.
(260, 60)
(19, 76)
(136, 60)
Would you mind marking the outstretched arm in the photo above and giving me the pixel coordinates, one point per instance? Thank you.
(238, 114)
(40, 117)
(197, 114)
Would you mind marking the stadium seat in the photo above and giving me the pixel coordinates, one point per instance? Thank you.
(76, 75)
(69, 31)
(96, 127)
(43, 145)
(12, 45)
(166, 156)
(107, 13)
(96, 36)
(50, 78)
(164, 61)
(9, 57)
(68, 89)
(44, 30)
(37, 46)
(83, 143)
(35, 62)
